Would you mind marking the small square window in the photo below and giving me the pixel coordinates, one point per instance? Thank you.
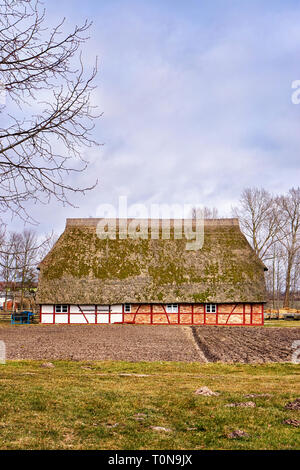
(211, 308)
(172, 308)
(127, 308)
(61, 309)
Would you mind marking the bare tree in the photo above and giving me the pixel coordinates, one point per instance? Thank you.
(47, 118)
(258, 220)
(272, 225)
(46, 245)
(289, 210)
(19, 258)
(28, 260)
(206, 212)
(7, 261)
(295, 279)
(11, 265)
(275, 274)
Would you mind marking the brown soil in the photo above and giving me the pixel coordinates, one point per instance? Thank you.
(246, 344)
(293, 405)
(94, 342)
(149, 343)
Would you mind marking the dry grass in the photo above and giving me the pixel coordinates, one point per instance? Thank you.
(95, 405)
(283, 323)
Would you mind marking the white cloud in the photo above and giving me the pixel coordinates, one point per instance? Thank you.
(195, 107)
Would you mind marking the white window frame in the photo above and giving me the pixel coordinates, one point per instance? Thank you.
(211, 308)
(172, 308)
(127, 308)
(61, 308)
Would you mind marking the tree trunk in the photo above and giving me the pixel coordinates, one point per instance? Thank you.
(6, 295)
(286, 302)
(273, 284)
(278, 289)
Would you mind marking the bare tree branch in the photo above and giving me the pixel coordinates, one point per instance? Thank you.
(41, 140)
(258, 220)
(289, 209)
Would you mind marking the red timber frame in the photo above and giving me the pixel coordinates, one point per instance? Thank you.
(151, 313)
(232, 312)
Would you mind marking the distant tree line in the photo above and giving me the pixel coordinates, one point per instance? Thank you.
(20, 253)
(272, 225)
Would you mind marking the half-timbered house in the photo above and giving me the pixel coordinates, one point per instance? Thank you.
(85, 279)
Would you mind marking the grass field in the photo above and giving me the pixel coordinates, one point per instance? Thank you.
(81, 405)
(282, 323)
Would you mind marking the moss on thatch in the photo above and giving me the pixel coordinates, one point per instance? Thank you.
(81, 268)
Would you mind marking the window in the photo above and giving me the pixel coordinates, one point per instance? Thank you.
(127, 308)
(61, 309)
(211, 308)
(103, 308)
(172, 308)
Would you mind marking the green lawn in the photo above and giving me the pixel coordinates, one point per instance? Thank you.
(80, 405)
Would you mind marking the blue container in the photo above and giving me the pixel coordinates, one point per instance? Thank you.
(20, 318)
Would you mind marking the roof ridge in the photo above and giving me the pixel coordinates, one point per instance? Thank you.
(92, 222)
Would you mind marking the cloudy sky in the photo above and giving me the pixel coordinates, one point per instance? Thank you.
(196, 101)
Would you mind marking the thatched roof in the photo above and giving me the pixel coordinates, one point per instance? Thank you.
(83, 269)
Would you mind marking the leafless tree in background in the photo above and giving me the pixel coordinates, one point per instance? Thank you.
(46, 245)
(19, 257)
(258, 220)
(272, 226)
(10, 263)
(7, 262)
(275, 274)
(288, 207)
(47, 118)
(295, 284)
(28, 259)
(206, 212)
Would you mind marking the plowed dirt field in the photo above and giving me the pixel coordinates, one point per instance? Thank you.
(150, 343)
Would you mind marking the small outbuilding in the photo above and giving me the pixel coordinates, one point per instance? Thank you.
(152, 280)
